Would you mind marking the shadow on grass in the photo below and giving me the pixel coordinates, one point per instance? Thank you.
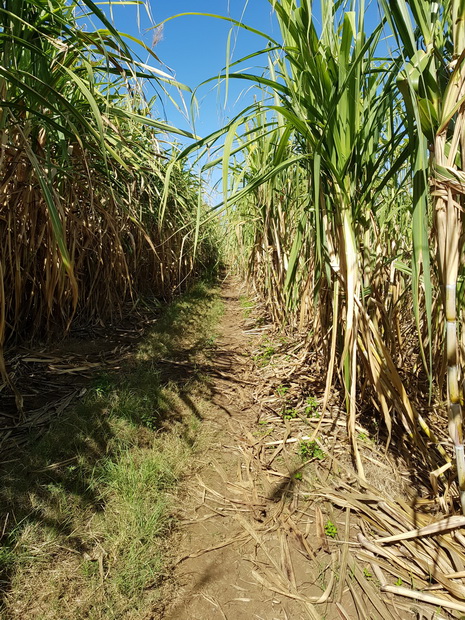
(53, 487)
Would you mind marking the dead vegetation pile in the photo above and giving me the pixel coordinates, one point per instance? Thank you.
(391, 544)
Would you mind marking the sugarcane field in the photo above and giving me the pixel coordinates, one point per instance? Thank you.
(232, 310)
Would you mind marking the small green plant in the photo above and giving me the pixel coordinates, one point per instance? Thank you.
(362, 436)
(399, 582)
(311, 407)
(310, 450)
(209, 342)
(267, 350)
(262, 432)
(330, 529)
(281, 390)
(369, 577)
(289, 413)
(247, 305)
(103, 386)
(298, 475)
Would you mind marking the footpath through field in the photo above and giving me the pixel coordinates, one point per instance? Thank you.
(200, 479)
(247, 546)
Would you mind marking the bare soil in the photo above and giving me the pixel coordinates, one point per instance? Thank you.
(247, 546)
(225, 507)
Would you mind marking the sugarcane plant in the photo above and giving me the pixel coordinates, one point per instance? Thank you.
(431, 38)
(336, 105)
(336, 135)
(265, 218)
(89, 218)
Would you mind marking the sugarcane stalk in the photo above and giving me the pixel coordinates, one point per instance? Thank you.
(448, 231)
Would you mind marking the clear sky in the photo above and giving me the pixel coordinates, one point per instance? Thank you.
(195, 48)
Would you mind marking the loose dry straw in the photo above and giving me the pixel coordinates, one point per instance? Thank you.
(423, 596)
(451, 523)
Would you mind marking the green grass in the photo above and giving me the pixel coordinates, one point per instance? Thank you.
(267, 350)
(90, 504)
(247, 305)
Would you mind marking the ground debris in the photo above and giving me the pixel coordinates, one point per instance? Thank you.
(300, 532)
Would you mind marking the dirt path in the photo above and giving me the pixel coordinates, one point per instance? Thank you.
(236, 524)
(276, 524)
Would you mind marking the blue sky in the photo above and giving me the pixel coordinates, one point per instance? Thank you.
(195, 47)
(202, 52)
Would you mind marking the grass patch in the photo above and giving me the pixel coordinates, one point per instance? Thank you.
(88, 506)
(267, 350)
(247, 306)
